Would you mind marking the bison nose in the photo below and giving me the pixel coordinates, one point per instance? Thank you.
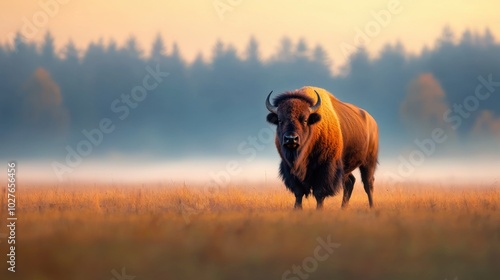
(291, 140)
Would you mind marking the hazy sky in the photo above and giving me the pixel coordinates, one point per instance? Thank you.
(196, 25)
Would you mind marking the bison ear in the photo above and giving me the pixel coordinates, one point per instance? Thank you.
(313, 118)
(272, 118)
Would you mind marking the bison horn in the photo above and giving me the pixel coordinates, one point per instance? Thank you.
(315, 108)
(269, 106)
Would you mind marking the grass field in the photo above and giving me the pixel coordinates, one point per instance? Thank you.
(166, 231)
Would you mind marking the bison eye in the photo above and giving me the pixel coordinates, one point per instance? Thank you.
(305, 122)
(280, 121)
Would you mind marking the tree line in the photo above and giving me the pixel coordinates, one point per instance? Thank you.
(210, 105)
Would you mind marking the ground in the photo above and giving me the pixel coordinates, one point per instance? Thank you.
(250, 231)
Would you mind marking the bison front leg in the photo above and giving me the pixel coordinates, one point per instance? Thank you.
(292, 184)
(298, 201)
(327, 181)
(319, 202)
(299, 192)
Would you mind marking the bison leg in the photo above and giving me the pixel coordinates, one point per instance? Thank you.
(298, 190)
(348, 187)
(367, 175)
(298, 201)
(319, 202)
(323, 185)
(292, 184)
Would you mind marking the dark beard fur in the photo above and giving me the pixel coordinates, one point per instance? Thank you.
(291, 158)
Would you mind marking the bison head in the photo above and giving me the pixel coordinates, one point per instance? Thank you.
(293, 114)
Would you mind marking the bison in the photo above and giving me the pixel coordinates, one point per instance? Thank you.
(321, 140)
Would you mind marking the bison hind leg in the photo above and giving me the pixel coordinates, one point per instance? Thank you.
(348, 187)
(367, 175)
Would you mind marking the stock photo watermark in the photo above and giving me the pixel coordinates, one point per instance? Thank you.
(11, 219)
(121, 107)
(310, 264)
(425, 148)
(121, 276)
(31, 26)
(379, 20)
(222, 7)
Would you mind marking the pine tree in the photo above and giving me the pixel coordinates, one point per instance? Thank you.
(132, 48)
(252, 51)
(320, 55)
(19, 43)
(158, 50)
(285, 51)
(71, 52)
(48, 49)
(488, 38)
(302, 48)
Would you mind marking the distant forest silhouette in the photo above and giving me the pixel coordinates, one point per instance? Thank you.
(209, 106)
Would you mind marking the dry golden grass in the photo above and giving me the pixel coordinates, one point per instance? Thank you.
(81, 231)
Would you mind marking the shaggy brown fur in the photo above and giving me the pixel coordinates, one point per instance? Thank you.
(333, 141)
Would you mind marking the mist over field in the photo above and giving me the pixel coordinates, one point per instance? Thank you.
(236, 172)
